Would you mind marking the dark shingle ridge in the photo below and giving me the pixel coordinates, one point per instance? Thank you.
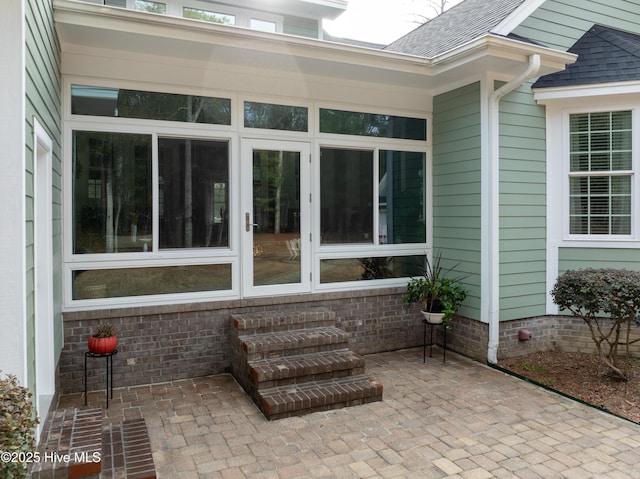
(462, 23)
(605, 55)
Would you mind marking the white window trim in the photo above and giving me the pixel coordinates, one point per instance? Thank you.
(558, 112)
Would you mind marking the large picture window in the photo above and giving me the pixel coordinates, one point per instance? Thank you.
(111, 192)
(600, 173)
(349, 207)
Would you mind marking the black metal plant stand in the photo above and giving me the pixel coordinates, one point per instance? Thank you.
(424, 341)
(109, 372)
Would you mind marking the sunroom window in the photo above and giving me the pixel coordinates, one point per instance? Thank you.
(149, 6)
(601, 173)
(112, 206)
(208, 16)
(112, 193)
(148, 105)
(350, 210)
(193, 175)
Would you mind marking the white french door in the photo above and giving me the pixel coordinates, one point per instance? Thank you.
(276, 223)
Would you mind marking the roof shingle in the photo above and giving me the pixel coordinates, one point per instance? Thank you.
(462, 23)
(605, 55)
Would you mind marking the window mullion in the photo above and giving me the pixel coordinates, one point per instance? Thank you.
(155, 188)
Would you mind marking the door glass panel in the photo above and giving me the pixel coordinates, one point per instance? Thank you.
(276, 217)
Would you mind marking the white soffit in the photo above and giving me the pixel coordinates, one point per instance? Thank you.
(83, 28)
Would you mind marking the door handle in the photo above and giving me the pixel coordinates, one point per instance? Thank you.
(247, 222)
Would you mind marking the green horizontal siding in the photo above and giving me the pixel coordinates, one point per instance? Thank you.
(456, 187)
(559, 23)
(522, 206)
(43, 91)
(581, 258)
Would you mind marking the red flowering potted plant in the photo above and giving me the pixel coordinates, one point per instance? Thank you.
(103, 340)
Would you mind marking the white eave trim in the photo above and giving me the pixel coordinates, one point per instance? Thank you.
(543, 95)
(507, 48)
(75, 15)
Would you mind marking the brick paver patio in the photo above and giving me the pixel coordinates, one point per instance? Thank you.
(459, 419)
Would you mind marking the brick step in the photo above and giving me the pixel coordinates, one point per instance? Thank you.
(71, 446)
(293, 343)
(76, 445)
(127, 452)
(268, 373)
(299, 399)
(259, 323)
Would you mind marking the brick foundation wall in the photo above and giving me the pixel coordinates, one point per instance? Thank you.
(165, 343)
(566, 333)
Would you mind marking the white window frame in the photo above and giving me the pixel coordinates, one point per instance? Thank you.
(235, 134)
(155, 258)
(560, 104)
(605, 173)
(373, 144)
(242, 16)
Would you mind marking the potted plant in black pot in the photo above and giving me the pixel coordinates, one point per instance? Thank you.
(439, 296)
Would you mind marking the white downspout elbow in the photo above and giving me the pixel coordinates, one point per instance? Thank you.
(493, 210)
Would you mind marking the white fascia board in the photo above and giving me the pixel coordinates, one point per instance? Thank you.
(504, 48)
(516, 17)
(544, 95)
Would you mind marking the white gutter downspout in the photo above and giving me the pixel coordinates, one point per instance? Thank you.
(494, 203)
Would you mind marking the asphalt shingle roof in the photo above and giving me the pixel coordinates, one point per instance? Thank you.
(462, 23)
(605, 55)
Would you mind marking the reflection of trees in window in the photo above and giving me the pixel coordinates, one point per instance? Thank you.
(346, 196)
(194, 175)
(276, 191)
(207, 16)
(151, 7)
(275, 117)
(371, 124)
(173, 107)
(401, 207)
(112, 176)
(146, 105)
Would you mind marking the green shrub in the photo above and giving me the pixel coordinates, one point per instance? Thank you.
(17, 427)
(608, 300)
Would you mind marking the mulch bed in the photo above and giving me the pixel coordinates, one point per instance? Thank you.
(584, 377)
